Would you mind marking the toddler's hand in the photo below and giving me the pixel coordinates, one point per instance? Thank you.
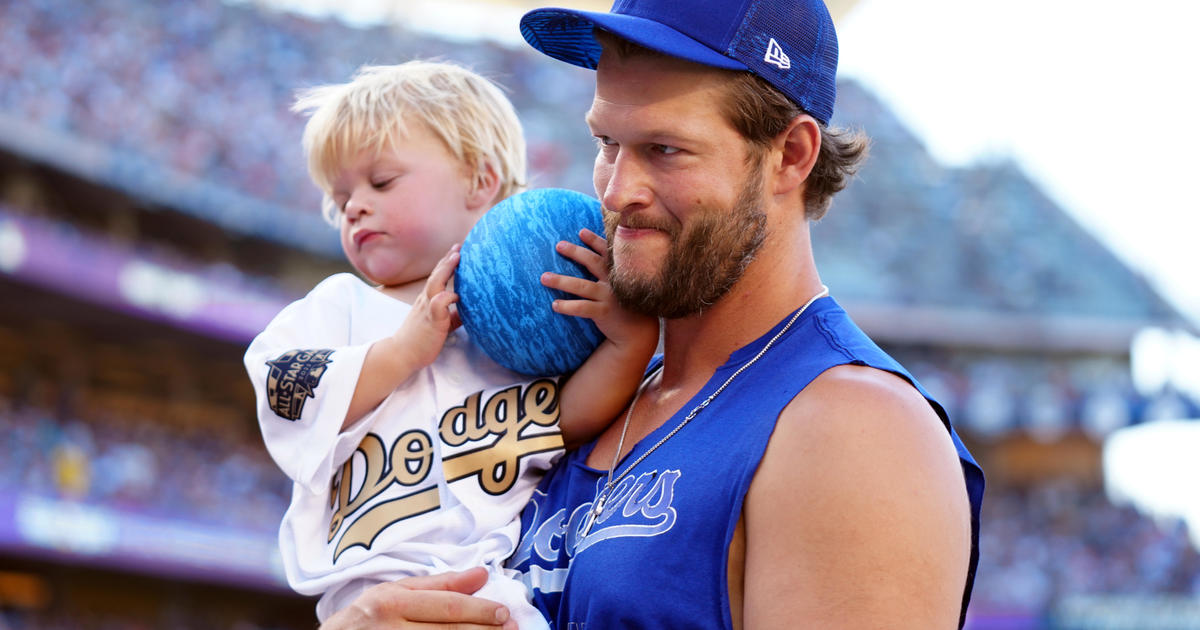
(434, 315)
(597, 301)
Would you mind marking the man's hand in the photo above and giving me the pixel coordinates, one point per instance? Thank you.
(437, 601)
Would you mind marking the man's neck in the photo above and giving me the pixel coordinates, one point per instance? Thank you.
(695, 346)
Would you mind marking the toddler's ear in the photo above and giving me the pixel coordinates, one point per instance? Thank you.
(484, 185)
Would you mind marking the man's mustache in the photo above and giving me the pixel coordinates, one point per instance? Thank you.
(635, 221)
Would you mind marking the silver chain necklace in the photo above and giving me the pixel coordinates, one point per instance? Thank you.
(603, 495)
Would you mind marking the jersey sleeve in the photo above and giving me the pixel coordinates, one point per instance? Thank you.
(304, 369)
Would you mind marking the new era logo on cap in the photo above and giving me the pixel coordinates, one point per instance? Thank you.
(776, 57)
(791, 44)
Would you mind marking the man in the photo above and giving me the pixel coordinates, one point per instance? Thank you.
(777, 469)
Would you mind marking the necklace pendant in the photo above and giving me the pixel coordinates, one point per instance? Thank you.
(594, 513)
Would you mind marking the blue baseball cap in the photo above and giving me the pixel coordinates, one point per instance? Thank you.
(790, 43)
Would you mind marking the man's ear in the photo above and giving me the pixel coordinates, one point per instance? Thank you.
(798, 147)
(484, 185)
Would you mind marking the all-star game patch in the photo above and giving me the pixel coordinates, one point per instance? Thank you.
(293, 379)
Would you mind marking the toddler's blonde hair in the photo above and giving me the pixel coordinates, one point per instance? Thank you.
(372, 111)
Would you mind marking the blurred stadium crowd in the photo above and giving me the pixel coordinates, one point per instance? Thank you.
(1058, 539)
(186, 104)
(141, 464)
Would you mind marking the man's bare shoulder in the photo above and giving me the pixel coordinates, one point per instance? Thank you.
(860, 416)
(857, 393)
(858, 513)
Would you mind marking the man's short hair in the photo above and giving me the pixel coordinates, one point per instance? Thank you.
(760, 112)
(466, 111)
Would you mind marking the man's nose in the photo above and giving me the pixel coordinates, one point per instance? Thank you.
(627, 185)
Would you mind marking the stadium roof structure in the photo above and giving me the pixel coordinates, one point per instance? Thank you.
(971, 256)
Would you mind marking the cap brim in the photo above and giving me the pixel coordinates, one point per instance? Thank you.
(566, 35)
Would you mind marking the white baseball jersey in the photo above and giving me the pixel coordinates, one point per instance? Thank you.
(433, 479)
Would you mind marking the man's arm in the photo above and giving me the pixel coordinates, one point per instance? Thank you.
(858, 515)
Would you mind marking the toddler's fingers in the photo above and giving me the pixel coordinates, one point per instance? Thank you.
(580, 308)
(586, 289)
(590, 260)
(439, 278)
(441, 306)
(598, 243)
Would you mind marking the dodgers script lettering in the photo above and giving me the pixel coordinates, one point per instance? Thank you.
(507, 414)
(380, 486)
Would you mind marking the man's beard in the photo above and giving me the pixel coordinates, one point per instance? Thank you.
(705, 260)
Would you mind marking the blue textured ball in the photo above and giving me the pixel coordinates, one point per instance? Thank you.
(504, 307)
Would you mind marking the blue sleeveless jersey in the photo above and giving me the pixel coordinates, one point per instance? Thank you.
(656, 556)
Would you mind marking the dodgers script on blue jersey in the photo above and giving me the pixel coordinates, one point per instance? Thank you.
(504, 307)
(670, 523)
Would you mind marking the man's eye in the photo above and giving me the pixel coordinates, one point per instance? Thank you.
(605, 141)
(666, 149)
